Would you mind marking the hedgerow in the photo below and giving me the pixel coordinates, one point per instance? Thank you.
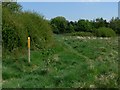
(17, 26)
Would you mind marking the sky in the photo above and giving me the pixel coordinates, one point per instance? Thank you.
(73, 11)
(119, 9)
(68, 0)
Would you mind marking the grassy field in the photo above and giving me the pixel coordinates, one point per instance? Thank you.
(0, 66)
(72, 62)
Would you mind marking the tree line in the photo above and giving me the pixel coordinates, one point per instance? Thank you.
(60, 25)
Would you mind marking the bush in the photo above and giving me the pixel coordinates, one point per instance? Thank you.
(16, 27)
(59, 25)
(105, 32)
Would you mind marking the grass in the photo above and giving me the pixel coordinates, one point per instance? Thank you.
(0, 66)
(71, 62)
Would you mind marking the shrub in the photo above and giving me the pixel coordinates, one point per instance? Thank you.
(16, 27)
(105, 32)
(59, 25)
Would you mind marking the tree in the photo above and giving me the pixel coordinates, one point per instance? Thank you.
(100, 22)
(59, 24)
(115, 24)
(70, 28)
(84, 25)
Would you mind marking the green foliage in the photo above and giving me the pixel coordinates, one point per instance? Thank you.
(59, 24)
(70, 28)
(80, 34)
(115, 25)
(105, 32)
(9, 34)
(100, 22)
(12, 6)
(84, 25)
(17, 27)
(0, 23)
(38, 29)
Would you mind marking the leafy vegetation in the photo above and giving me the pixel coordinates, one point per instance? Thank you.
(61, 25)
(84, 25)
(71, 62)
(105, 32)
(18, 25)
(13, 7)
(114, 24)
